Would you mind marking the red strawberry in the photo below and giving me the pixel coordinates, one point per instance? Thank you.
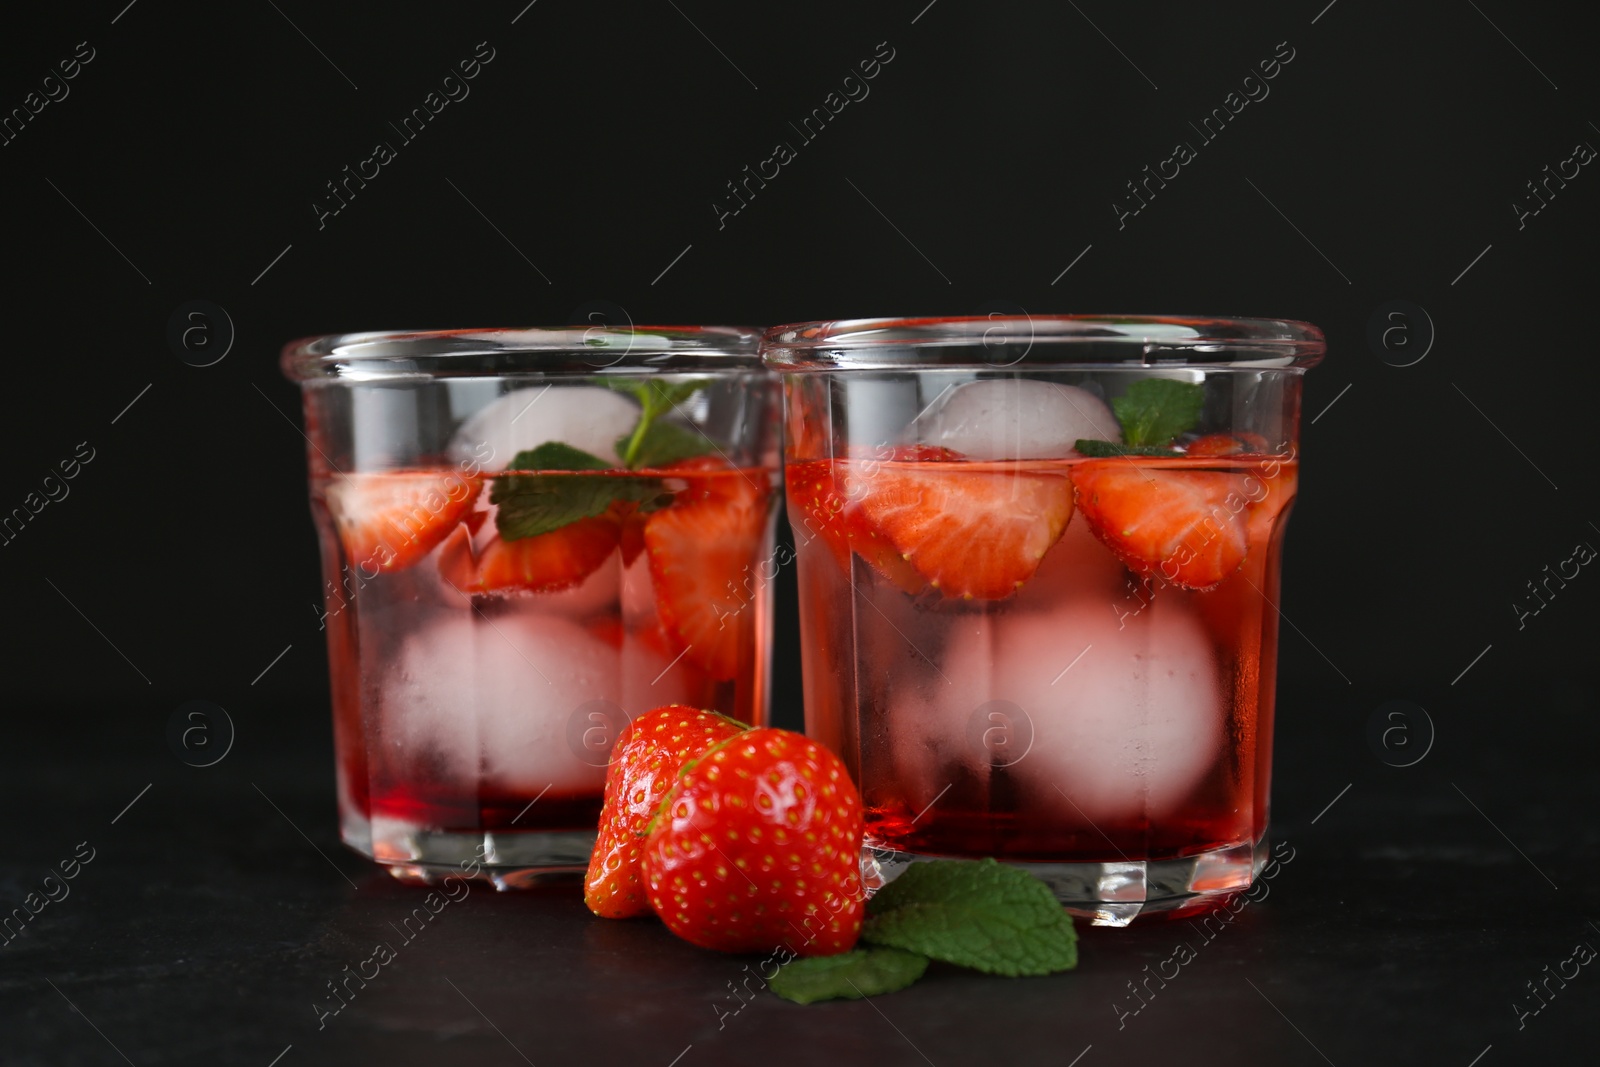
(818, 489)
(1227, 444)
(702, 551)
(815, 495)
(881, 553)
(759, 845)
(1187, 526)
(545, 563)
(970, 533)
(391, 519)
(644, 765)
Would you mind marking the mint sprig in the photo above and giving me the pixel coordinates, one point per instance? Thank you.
(531, 505)
(1155, 410)
(534, 504)
(984, 915)
(662, 443)
(653, 443)
(556, 456)
(980, 914)
(864, 972)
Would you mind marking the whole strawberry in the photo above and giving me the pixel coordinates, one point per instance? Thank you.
(759, 847)
(644, 765)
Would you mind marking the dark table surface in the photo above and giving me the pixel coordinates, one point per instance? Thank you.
(1419, 903)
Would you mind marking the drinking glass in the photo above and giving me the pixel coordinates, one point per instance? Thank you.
(528, 538)
(1038, 570)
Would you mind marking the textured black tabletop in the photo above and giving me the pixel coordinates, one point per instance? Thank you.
(1416, 181)
(1414, 907)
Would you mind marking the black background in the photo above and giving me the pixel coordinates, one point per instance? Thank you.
(985, 161)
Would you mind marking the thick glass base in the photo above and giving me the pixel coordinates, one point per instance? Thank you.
(512, 859)
(1115, 893)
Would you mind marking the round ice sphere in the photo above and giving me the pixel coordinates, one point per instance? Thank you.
(1105, 717)
(424, 718)
(533, 720)
(508, 697)
(586, 417)
(1014, 418)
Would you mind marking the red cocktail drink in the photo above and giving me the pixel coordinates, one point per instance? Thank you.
(517, 566)
(1039, 610)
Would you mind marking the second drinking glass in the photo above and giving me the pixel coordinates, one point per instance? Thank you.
(1039, 585)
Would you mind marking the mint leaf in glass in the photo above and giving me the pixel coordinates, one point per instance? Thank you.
(850, 976)
(535, 504)
(974, 913)
(556, 456)
(532, 504)
(663, 443)
(653, 443)
(1155, 410)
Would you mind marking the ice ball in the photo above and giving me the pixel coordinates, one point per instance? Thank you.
(586, 417)
(1014, 418)
(507, 696)
(1121, 717)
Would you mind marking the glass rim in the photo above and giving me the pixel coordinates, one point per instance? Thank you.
(383, 355)
(1035, 341)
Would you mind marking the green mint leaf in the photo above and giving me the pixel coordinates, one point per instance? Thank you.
(850, 976)
(556, 456)
(975, 913)
(534, 504)
(668, 395)
(656, 398)
(1103, 449)
(1156, 410)
(654, 393)
(663, 443)
(634, 387)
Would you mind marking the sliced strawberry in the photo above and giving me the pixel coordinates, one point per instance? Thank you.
(828, 494)
(758, 846)
(1188, 527)
(972, 534)
(884, 557)
(702, 551)
(865, 539)
(546, 563)
(815, 496)
(391, 519)
(644, 765)
(1227, 444)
